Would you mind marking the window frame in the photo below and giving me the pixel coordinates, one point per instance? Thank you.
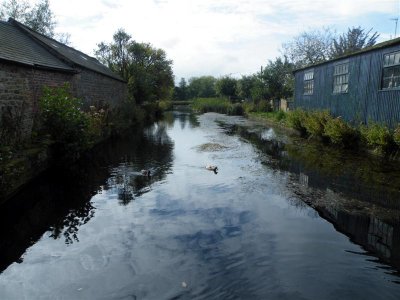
(308, 82)
(390, 63)
(341, 77)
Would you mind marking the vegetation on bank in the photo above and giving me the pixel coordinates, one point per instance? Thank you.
(319, 125)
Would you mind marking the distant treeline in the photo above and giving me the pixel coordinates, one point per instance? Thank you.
(275, 80)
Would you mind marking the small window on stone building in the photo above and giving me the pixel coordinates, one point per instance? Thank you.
(341, 78)
(391, 71)
(309, 82)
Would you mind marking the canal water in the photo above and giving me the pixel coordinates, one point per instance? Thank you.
(279, 219)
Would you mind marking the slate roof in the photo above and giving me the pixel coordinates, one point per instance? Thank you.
(20, 48)
(23, 45)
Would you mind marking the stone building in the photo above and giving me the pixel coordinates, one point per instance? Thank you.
(29, 61)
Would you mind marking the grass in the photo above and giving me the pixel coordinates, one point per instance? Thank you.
(219, 105)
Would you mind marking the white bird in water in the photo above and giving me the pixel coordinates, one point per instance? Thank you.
(212, 168)
(146, 173)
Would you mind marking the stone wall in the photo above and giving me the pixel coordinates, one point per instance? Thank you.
(96, 89)
(21, 88)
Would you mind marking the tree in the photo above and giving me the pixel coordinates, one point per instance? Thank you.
(309, 47)
(353, 40)
(146, 69)
(226, 87)
(278, 78)
(244, 86)
(181, 91)
(202, 87)
(39, 17)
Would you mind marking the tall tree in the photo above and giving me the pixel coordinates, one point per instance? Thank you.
(278, 78)
(39, 17)
(244, 86)
(202, 87)
(146, 69)
(353, 40)
(226, 87)
(309, 47)
(181, 91)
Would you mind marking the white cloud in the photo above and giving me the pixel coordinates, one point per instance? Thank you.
(209, 36)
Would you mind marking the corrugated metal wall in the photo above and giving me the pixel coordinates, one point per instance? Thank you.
(364, 102)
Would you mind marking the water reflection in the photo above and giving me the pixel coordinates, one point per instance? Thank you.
(359, 196)
(60, 200)
(254, 231)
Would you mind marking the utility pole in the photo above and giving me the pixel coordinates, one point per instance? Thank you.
(396, 20)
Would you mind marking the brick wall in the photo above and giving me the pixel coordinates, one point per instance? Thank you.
(96, 89)
(21, 87)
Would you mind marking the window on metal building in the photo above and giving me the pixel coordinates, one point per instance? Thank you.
(341, 78)
(309, 82)
(391, 71)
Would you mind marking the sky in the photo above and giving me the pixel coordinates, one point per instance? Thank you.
(217, 37)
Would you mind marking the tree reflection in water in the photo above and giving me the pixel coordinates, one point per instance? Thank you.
(59, 201)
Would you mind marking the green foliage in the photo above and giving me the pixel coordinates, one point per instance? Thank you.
(263, 106)
(125, 116)
(353, 40)
(396, 135)
(278, 78)
(63, 119)
(146, 69)
(181, 92)
(165, 105)
(244, 86)
(236, 110)
(202, 87)
(38, 17)
(203, 105)
(377, 136)
(296, 120)
(226, 87)
(341, 133)
(315, 123)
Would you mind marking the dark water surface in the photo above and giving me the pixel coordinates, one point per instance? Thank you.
(280, 220)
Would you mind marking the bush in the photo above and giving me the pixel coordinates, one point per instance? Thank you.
(236, 110)
(63, 119)
(296, 119)
(315, 123)
(165, 105)
(264, 106)
(203, 105)
(340, 133)
(280, 115)
(396, 135)
(377, 136)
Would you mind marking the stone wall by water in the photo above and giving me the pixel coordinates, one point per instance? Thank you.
(21, 88)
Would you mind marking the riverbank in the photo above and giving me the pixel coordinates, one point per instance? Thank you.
(375, 139)
(66, 132)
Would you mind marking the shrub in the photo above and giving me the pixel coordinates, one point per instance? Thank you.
(296, 119)
(165, 105)
(280, 116)
(341, 133)
(236, 110)
(377, 136)
(204, 105)
(396, 135)
(315, 123)
(264, 106)
(62, 117)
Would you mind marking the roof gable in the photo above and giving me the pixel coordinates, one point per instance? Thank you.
(23, 45)
(17, 47)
